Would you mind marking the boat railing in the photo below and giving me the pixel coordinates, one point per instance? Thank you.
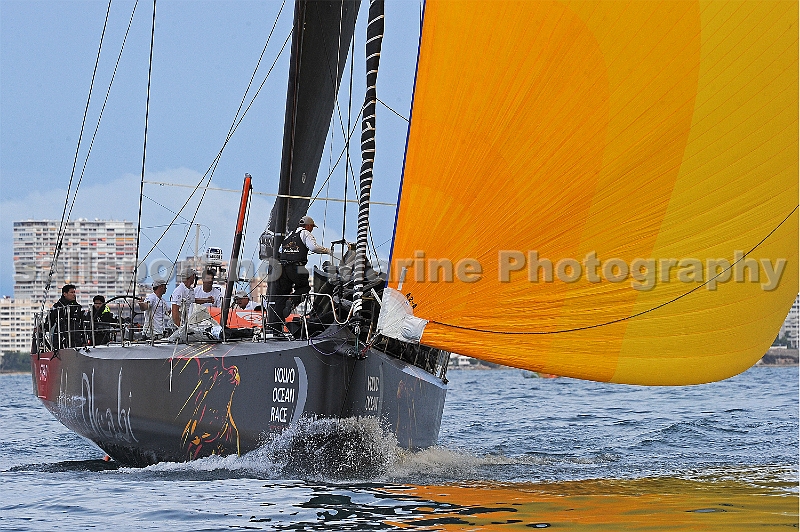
(60, 328)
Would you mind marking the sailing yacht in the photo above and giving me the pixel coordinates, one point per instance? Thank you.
(591, 189)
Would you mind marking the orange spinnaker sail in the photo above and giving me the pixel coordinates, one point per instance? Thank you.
(653, 139)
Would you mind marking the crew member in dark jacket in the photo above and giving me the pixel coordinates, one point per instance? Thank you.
(293, 282)
(66, 320)
(103, 321)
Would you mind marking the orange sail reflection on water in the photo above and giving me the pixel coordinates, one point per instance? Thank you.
(640, 504)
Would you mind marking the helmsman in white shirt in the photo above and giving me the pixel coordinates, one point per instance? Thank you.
(156, 316)
(207, 294)
(183, 296)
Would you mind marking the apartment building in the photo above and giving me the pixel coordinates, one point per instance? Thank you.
(791, 326)
(98, 256)
(16, 323)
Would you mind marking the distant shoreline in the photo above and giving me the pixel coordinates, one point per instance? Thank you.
(779, 356)
(774, 357)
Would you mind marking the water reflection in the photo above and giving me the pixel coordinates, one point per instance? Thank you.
(638, 504)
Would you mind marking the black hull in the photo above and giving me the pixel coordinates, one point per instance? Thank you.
(144, 404)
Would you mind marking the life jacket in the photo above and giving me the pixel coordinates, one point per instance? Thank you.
(294, 249)
(104, 315)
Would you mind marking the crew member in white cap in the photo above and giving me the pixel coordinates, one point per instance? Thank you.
(243, 301)
(293, 282)
(183, 295)
(156, 316)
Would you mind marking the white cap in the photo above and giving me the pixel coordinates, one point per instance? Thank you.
(307, 220)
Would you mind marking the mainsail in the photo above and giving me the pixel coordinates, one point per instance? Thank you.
(648, 151)
(323, 31)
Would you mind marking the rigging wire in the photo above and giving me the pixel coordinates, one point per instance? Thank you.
(219, 154)
(269, 194)
(166, 208)
(346, 138)
(626, 318)
(355, 186)
(144, 158)
(369, 228)
(338, 160)
(62, 226)
(231, 131)
(336, 83)
(102, 110)
(392, 110)
(347, 145)
(235, 124)
(151, 241)
(328, 189)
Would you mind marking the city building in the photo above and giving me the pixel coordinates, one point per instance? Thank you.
(98, 256)
(791, 326)
(16, 324)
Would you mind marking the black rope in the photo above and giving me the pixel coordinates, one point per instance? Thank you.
(62, 227)
(335, 82)
(151, 241)
(346, 136)
(144, 152)
(698, 287)
(145, 196)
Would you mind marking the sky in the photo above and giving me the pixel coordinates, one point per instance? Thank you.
(204, 55)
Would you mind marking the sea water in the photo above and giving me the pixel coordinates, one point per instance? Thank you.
(514, 453)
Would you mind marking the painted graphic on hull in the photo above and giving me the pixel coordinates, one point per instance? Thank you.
(100, 420)
(106, 423)
(211, 428)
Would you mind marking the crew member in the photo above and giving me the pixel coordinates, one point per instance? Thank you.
(156, 314)
(103, 320)
(243, 301)
(66, 320)
(207, 294)
(183, 296)
(293, 282)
